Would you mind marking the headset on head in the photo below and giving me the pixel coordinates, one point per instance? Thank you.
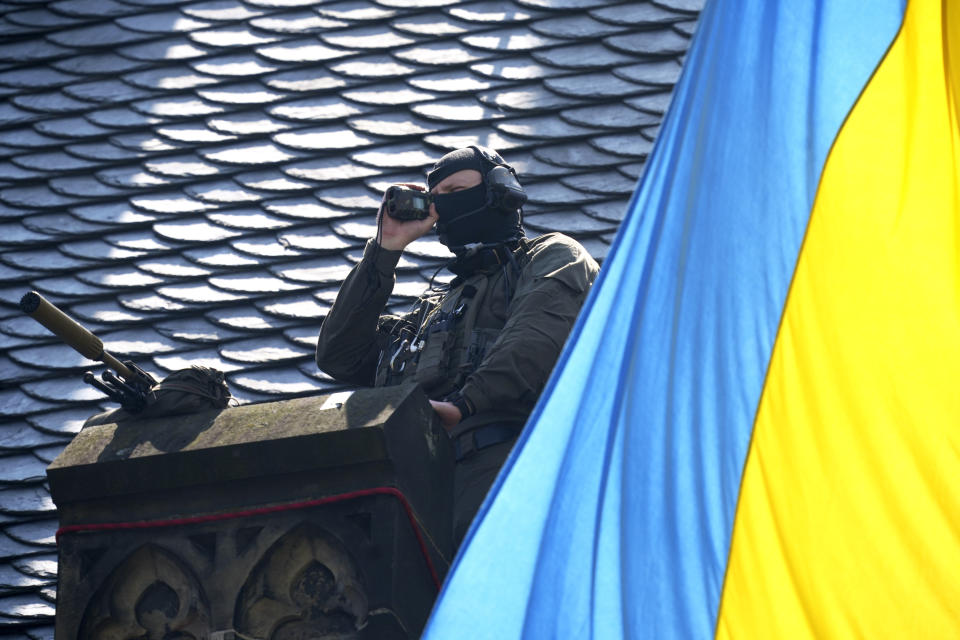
(504, 191)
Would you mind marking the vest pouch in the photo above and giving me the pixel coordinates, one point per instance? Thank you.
(433, 369)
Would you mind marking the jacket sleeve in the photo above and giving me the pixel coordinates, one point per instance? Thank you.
(550, 293)
(348, 346)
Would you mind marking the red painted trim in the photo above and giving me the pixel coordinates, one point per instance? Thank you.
(175, 522)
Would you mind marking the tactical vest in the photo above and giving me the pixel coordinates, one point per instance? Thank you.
(455, 332)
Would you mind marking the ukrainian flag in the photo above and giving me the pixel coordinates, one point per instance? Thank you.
(754, 430)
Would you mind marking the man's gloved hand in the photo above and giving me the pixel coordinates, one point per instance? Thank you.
(395, 235)
(449, 414)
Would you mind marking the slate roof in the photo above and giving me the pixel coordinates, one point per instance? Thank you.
(192, 180)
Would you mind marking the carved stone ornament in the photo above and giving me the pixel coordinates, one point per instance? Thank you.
(152, 595)
(306, 586)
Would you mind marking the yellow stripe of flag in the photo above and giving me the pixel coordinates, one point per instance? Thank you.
(848, 523)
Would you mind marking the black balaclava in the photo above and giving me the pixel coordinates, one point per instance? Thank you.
(468, 216)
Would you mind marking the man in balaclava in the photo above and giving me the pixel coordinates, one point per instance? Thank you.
(481, 347)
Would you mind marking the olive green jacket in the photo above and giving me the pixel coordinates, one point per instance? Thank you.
(487, 344)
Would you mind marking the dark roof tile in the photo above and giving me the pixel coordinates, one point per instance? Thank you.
(246, 318)
(315, 271)
(374, 68)
(440, 54)
(321, 242)
(251, 154)
(106, 312)
(222, 191)
(395, 124)
(579, 155)
(601, 84)
(219, 257)
(9, 549)
(34, 500)
(542, 127)
(193, 133)
(169, 202)
(433, 25)
(272, 180)
(655, 103)
(77, 127)
(234, 35)
(132, 176)
(632, 170)
(13, 372)
(457, 110)
(247, 123)
(376, 37)
(11, 114)
(281, 4)
(591, 56)
(663, 73)
(64, 423)
(38, 532)
(44, 567)
(54, 161)
(103, 151)
(32, 50)
(122, 117)
(106, 91)
(561, 4)
(119, 278)
(612, 116)
(576, 27)
(177, 48)
(36, 77)
(426, 247)
(161, 22)
(207, 357)
(14, 402)
(556, 193)
(19, 436)
(263, 350)
(316, 109)
(98, 35)
(252, 219)
(329, 138)
(41, 18)
(169, 78)
(267, 248)
(388, 95)
(662, 42)
(150, 303)
(97, 63)
(511, 39)
(636, 14)
(296, 22)
(28, 138)
(37, 196)
(354, 11)
(347, 198)
(688, 6)
(184, 106)
(515, 68)
(606, 183)
(241, 94)
(406, 156)
(63, 224)
(93, 8)
(193, 231)
(301, 80)
(10, 171)
(139, 240)
(84, 187)
(303, 207)
(624, 144)
(282, 380)
(143, 141)
(301, 51)
(64, 389)
(494, 12)
(195, 330)
(221, 10)
(295, 307)
(172, 267)
(103, 251)
(686, 28)
(24, 468)
(329, 169)
(197, 294)
(478, 136)
(597, 247)
(67, 286)
(528, 99)
(610, 211)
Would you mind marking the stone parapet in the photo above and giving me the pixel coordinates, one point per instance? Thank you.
(319, 517)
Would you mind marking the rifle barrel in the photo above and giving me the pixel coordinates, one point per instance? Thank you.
(70, 331)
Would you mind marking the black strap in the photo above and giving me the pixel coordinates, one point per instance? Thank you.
(480, 438)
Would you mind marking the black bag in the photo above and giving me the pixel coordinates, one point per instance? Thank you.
(185, 391)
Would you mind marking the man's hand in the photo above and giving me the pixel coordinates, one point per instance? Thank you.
(449, 414)
(395, 235)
